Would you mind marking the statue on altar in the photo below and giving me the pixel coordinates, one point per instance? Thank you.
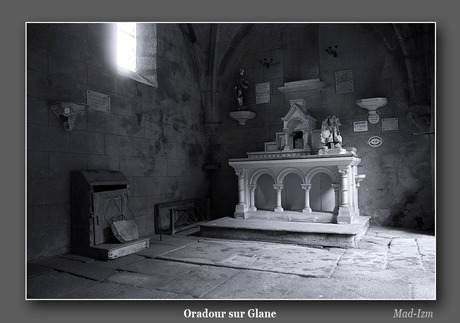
(330, 136)
(330, 133)
(241, 86)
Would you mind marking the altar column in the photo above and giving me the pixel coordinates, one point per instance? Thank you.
(278, 188)
(345, 214)
(241, 207)
(306, 139)
(252, 207)
(286, 139)
(336, 194)
(307, 208)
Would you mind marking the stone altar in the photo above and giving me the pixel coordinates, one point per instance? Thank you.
(294, 156)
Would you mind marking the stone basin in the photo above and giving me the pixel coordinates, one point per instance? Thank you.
(242, 116)
(372, 104)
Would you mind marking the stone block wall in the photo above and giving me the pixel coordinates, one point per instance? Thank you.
(398, 188)
(154, 135)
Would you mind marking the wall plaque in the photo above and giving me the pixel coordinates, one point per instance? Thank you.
(344, 82)
(359, 126)
(263, 93)
(98, 101)
(389, 124)
(373, 118)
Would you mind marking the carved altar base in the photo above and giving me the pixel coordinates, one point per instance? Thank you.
(342, 169)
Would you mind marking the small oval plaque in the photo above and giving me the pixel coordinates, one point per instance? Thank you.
(373, 118)
(375, 141)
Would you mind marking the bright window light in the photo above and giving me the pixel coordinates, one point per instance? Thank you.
(126, 45)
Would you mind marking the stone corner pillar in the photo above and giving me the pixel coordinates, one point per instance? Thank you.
(252, 188)
(345, 214)
(241, 208)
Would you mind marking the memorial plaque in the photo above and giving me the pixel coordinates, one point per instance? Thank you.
(373, 118)
(98, 101)
(359, 126)
(263, 93)
(389, 124)
(344, 82)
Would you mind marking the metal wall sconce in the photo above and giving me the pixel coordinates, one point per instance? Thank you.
(332, 51)
(266, 62)
(70, 111)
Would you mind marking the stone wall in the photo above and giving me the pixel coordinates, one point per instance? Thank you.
(154, 135)
(398, 189)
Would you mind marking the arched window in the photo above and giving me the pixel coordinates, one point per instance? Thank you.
(137, 51)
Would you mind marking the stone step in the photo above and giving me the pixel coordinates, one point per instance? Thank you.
(312, 234)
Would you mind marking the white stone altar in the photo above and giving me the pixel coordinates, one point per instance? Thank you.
(342, 171)
(294, 156)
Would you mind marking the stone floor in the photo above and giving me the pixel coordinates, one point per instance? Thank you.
(389, 264)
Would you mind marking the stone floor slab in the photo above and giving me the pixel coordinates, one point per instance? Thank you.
(119, 262)
(345, 271)
(148, 293)
(158, 249)
(54, 285)
(394, 232)
(34, 269)
(361, 258)
(205, 268)
(404, 254)
(87, 270)
(249, 284)
(205, 252)
(347, 289)
(281, 258)
(76, 257)
(298, 260)
(368, 240)
(423, 288)
(162, 269)
(427, 249)
(136, 279)
(102, 290)
(174, 240)
(199, 281)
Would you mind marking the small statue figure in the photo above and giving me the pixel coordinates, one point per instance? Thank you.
(330, 134)
(241, 86)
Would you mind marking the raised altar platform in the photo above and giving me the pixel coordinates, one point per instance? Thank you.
(301, 189)
(302, 233)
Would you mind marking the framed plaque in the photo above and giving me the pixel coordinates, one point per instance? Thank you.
(360, 126)
(263, 93)
(98, 101)
(344, 82)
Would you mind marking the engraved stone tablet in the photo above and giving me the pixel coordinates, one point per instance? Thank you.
(125, 231)
(98, 101)
(344, 82)
(263, 93)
